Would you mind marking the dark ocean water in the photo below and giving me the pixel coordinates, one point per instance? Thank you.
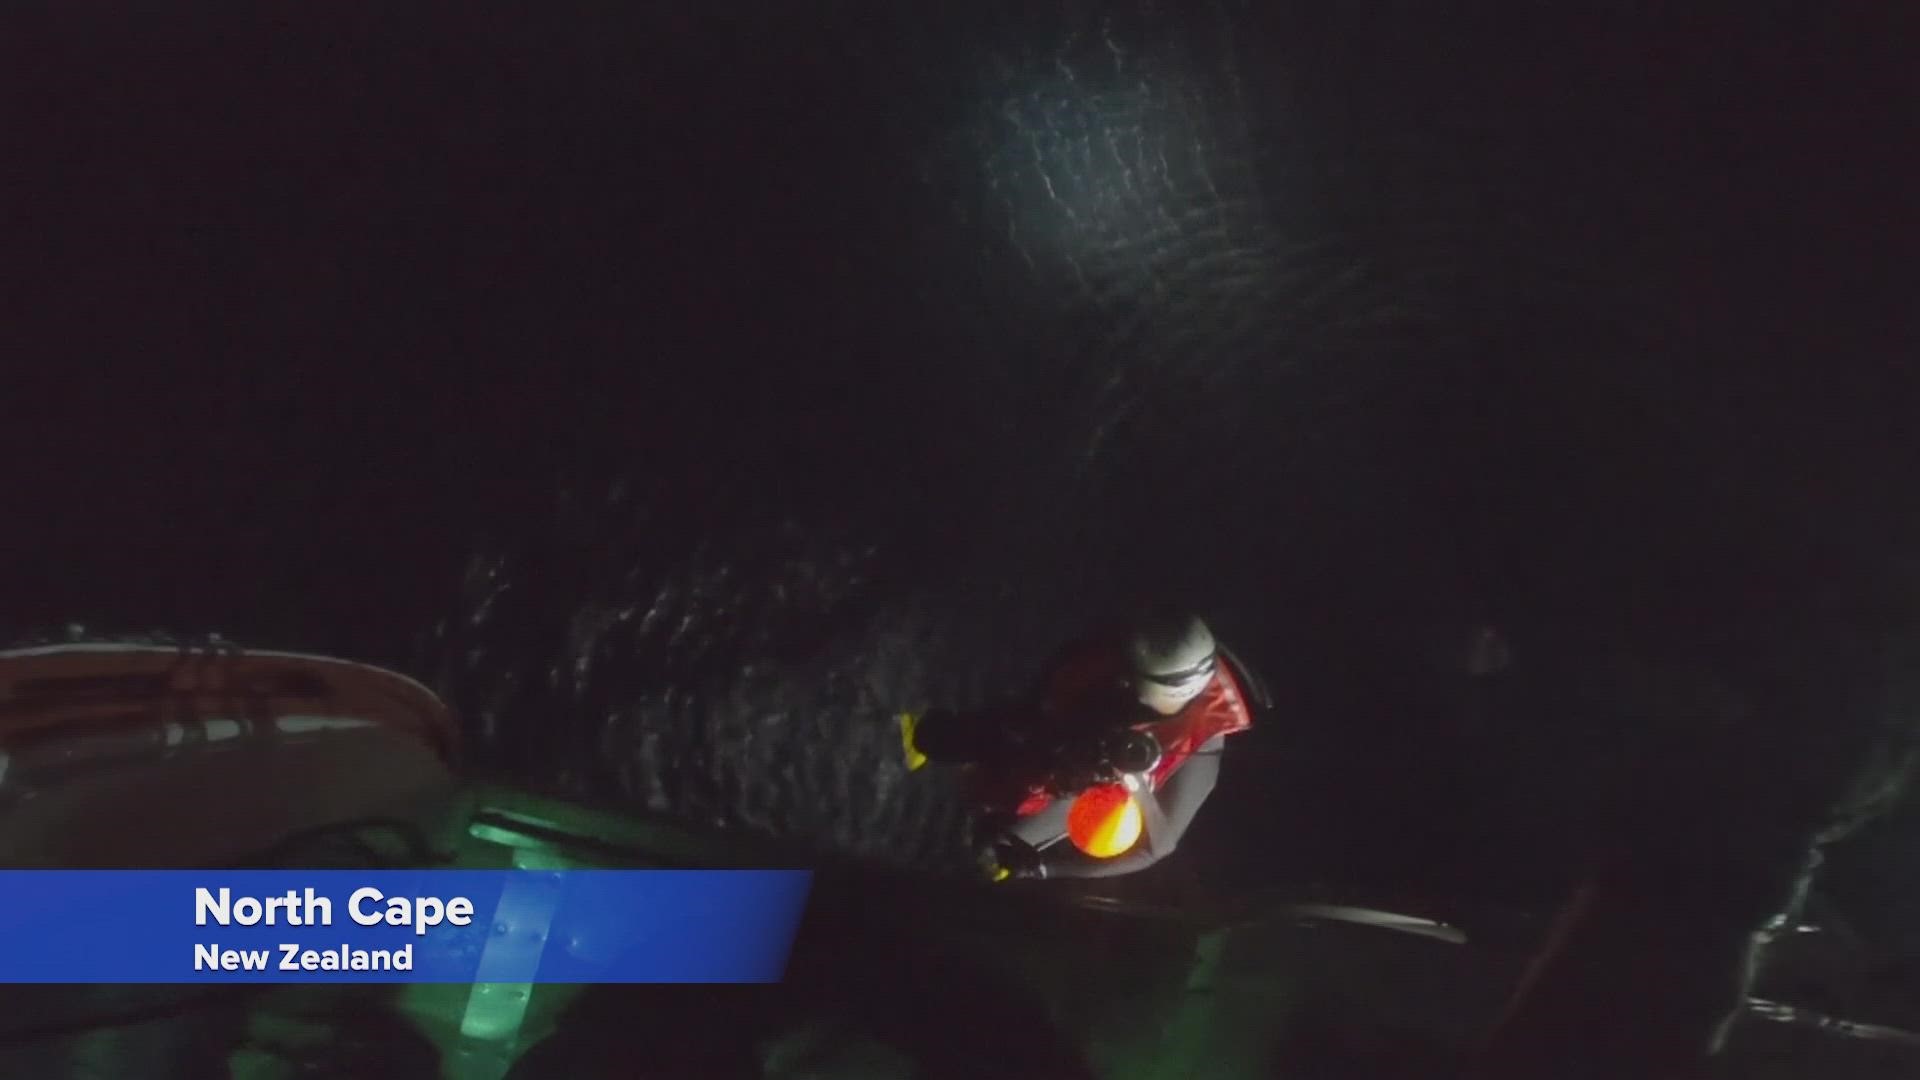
(683, 393)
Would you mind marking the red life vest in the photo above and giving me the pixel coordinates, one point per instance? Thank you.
(1091, 681)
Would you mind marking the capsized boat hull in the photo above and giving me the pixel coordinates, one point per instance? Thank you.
(141, 756)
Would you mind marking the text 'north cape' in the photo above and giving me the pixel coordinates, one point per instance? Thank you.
(367, 906)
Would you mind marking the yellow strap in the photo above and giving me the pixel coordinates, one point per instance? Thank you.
(915, 759)
(1001, 873)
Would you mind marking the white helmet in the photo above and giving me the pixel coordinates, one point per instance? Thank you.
(1173, 657)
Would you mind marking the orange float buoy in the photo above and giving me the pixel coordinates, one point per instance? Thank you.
(1104, 821)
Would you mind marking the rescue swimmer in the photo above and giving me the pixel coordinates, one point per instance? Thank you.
(1103, 768)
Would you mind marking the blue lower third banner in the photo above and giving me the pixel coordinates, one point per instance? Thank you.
(411, 926)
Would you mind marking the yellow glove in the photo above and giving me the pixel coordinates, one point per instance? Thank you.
(1018, 862)
(992, 869)
(915, 759)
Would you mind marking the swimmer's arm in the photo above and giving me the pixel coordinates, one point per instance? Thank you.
(986, 736)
